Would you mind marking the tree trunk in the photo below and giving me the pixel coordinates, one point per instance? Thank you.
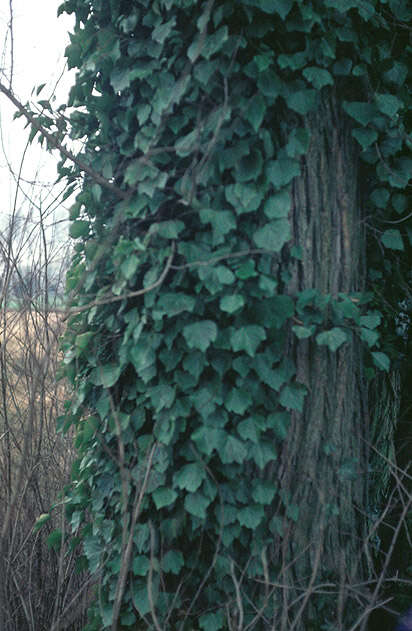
(324, 461)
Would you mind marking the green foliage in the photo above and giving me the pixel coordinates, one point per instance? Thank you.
(197, 113)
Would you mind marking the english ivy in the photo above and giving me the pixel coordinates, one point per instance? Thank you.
(180, 308)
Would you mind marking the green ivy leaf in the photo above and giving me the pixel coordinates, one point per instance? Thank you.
(245, 198)
(251, 516)
(200, 334)
(213, 621)
(82, 341)
(264, 491)
(106, 375)
(162, 396)
(333, 339)
(392, 239)
(248, 429)
(232, 303)
(174, 303)
(302, 101)
(368, 336)
(238, 400)
(163, 496)
(273, 235)
(279, 422)
(249, 167)
(196, 504)
(262, 453)
(233, 450)
(278, 205)
(173, 561)
(361, 112)
(42, 519)
(190, 477)
(371, 321)
(255, 111)
(282, 171)
(365, 137)
(318, 77)
(79, 229)
(292, 396)
(388, 104)
(381, 360)
(167, 229)
(247, 338)
(303, 332)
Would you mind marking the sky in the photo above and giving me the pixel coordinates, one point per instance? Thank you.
(39, 40)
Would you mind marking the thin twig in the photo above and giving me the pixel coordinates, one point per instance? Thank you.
(132, 294)
(56, 144)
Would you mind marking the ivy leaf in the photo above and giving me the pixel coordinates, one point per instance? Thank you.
(264, 492)
(42, 519)
(200, 334)
(248, 429)
(369, 336)
(303, 332)
(247, 338)
(381, 360)
(282, 7)
(333, 339)
(365, 137)
(279, 422)
(190, 477)
(292, 397)
(256, 111)
(392, 239)
(388, 104)
(302, 101)
(173, 304)
(262, 453)
(233, 450)
(92, 549)
(106, 375)
(213, 621)
(173, 561)
(163, 497)
(371, 321)
(196, 504)
(79, 229)
(162, 396)
(238, 400)
(361, 112)
(273, 235)
(249, 167)
(162, 31)
(82, 341)
(281, 172)
(140, 565)
(222, 221)
(208, 439)
(318, 77)
(167, 229)
(232, 303)
(244, 198)
(298, 143)
(278, 205)
(250, 516)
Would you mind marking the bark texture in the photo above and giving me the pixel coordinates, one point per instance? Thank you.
(324, 461)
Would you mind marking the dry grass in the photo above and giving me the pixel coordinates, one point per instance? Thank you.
(38, 580)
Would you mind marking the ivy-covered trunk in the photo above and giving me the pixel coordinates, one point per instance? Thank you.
(219, 331)
(324, 460)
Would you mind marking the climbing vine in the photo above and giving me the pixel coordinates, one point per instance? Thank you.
(187, 317)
